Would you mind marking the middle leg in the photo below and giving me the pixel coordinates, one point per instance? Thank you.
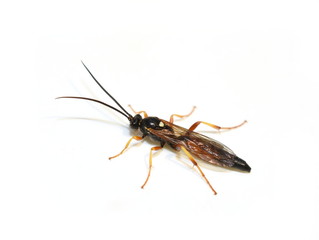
(195, 125)
(171, 119)
(150, 164)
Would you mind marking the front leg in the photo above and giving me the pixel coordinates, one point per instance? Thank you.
(138, 138)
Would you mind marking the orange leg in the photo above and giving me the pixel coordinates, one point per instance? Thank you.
(126, 146)
(144, 113)
(171, 119)
(198, 168)
(150, 164)
(195, 125)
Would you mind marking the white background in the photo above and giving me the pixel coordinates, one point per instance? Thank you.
(234, 60)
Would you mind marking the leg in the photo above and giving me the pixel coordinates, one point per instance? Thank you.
(195, 125)
(171, 119)
(199, 169)
(150, 164)
(144, 113)
(126, 146)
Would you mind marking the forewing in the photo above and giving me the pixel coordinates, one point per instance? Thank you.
(201, 146)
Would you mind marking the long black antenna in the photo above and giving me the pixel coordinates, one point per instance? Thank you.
(94, 100)
(106, 92)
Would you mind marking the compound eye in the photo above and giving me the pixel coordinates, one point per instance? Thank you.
(135, 122)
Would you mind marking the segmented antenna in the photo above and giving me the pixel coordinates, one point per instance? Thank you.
(94, 100)
(130, 116)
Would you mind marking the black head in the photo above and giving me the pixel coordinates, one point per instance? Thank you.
(135, 121)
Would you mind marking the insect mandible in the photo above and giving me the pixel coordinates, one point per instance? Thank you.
(193, 144)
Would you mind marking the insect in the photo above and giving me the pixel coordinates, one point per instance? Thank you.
(193, 144)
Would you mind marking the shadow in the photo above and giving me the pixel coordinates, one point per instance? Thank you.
(88, 119)
(214, 132)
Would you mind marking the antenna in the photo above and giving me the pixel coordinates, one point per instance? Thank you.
(94, 100)
(106, 92)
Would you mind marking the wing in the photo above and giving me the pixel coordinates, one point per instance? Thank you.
(201, 146)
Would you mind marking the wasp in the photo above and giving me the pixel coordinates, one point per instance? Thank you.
(193, 144)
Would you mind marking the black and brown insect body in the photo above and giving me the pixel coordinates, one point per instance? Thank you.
(193, 144)
(200, 146)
